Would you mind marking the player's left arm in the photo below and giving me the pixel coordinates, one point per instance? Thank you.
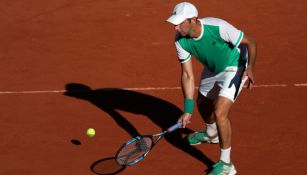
(252, 53)
(231, 34)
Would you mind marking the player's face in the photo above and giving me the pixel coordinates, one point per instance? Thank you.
(184, 28)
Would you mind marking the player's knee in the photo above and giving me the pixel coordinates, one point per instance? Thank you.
(220, 115)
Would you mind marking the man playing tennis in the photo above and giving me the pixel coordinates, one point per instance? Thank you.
(228, 56)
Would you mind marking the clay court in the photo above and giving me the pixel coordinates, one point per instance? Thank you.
(68, 65)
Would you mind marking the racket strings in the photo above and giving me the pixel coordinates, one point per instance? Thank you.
(134, 150)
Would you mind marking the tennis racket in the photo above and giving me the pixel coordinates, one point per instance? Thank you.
(135, 149)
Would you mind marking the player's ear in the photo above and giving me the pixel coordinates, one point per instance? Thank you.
(194, 20)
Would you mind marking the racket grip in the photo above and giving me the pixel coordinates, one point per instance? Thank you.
(174, 127)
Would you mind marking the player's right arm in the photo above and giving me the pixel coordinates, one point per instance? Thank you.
(188, 86)
(187, 83)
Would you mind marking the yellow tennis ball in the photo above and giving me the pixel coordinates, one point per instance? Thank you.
(90, 132)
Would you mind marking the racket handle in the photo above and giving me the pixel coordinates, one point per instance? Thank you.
(174, 127)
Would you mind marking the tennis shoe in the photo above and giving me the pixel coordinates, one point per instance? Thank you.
(199, 137)
(222, 168)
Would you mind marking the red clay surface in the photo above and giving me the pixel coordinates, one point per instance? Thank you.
(73, 44)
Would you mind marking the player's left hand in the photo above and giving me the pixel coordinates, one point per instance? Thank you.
(250, 74)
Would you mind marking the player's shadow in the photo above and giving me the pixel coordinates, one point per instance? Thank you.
(162, 113)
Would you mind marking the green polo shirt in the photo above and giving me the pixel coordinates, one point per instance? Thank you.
(216, 47)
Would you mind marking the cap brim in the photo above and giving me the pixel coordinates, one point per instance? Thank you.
(175, 19)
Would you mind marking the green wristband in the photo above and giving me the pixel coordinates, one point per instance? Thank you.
(188, 105)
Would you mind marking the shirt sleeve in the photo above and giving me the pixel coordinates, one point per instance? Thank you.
(231, 34)
(183, 55)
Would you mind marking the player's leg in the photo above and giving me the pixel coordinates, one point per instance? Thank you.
(231, 84)
(222, 109)
(221, 112)
(209, 134)
(205, 102)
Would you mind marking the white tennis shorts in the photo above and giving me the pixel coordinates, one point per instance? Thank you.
(228, 83)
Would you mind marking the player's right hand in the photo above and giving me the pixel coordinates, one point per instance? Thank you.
(185, 119)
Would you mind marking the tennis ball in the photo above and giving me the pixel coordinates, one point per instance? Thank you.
(90, 132)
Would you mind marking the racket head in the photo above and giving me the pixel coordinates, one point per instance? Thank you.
(134, 150)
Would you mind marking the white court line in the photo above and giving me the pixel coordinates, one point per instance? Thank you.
(153, 88)
(302, 84)
(268, 85)
(149, 89)
(32, 92)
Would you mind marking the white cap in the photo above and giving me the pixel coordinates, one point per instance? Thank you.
(181, 12)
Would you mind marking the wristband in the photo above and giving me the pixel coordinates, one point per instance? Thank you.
(188, 106)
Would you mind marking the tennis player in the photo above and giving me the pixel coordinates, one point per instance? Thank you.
(228, 56)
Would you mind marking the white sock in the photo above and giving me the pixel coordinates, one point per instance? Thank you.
(211, 129)
(225, 155)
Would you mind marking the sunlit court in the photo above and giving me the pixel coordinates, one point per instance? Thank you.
(70, 65)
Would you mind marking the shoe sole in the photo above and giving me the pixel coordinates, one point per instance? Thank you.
(208, 142)
(232, 170)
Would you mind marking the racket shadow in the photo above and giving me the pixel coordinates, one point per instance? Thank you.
(162, 113)
(107, 166)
